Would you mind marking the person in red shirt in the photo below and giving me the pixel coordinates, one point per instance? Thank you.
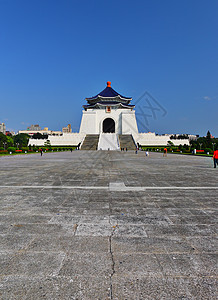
(165, 152)
(215, 158)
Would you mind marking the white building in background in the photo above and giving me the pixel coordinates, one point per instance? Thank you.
(2, 128)
(67, 129)
(34, 127)
(44, 131)
(109, 120)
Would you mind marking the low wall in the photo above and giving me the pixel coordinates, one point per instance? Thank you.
(150, 139)
(73, 139)
(67, 139)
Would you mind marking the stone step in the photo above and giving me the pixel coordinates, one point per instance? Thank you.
(90, 142)
(127, 141)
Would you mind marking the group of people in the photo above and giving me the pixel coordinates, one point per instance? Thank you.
(215, 155)
(41, 150)
(147, 153)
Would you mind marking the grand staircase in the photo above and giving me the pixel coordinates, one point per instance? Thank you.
(108, 141)
(126, 141)
(90, 142)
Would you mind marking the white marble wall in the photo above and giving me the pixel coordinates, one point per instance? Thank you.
(71, 139)
(125, 121)
(150, 139)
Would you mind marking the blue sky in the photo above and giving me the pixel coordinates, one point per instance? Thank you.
(54, 54)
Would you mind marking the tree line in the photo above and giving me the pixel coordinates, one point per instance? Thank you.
(19, 141)
(207, 143)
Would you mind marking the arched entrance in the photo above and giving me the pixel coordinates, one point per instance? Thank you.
(108, 125)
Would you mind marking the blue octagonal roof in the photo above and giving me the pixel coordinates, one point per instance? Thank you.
(108, 92)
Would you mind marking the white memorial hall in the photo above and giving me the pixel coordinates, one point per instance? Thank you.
(108, 123)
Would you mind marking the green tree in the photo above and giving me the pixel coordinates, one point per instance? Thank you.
(169, 143)
(3, 139)
(208, 140)
(47, 144)
(38, 135)
(22, 139)
(208, 136)
(10, 141)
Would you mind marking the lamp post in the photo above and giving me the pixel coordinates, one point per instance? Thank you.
(17, 145)
(4, 143)
(213, 146)
(200, 145)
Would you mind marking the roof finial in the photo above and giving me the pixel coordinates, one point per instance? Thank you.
(108, 84)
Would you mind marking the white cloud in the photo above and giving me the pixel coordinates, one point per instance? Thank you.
(207, 98)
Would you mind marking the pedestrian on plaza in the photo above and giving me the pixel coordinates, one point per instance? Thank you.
(165, 152)
(215, 158)
(146, 153)
(136, 150)
(71, 149)
(41, 151)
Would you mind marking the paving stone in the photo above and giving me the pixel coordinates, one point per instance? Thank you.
(68, 244)
(41, 229)
(11, 242)
(85, 264)
(65, 234)
(188, 264)
(89, 229)
(30, 264)
(204, 244)
(21, 219)
(141, 220)
(130, 230)
(148, 287)
(133, 264)
(194, 219)
(55, 287)
(157, 287)
(181, 230)
(151, 245)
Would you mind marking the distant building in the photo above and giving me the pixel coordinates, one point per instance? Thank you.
(9, 132)
(34, 128)
(2, 128)
(193, 137)
(178, 136)
(38, 129)
(67, 129)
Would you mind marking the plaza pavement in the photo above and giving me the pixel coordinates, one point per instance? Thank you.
(108, 225)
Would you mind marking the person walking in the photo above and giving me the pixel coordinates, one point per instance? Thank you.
(41, 151)
(215, 158)
(165, 152)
